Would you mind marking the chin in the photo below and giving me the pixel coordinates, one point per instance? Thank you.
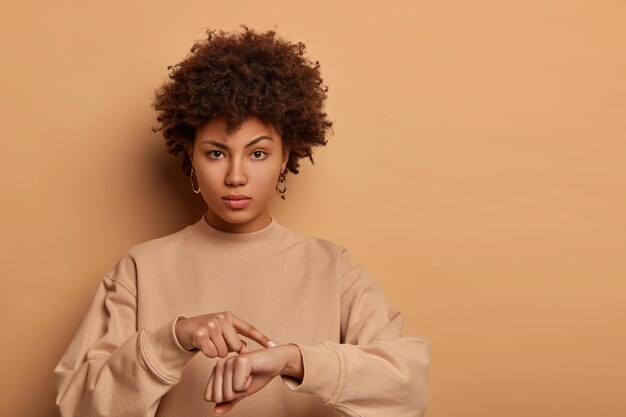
(237, 219)
(236, 216)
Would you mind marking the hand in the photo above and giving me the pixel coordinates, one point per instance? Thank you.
(236, 377)
(215, 334)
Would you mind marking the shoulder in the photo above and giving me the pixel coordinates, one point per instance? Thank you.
(160, 245)
(312, 243)
(322, 249)
(149, 251)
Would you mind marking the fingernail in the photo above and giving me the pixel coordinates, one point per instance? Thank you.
(272, 344)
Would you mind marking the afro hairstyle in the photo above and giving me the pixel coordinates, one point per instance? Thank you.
(237, 75)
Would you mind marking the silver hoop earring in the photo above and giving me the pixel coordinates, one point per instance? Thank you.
(192, 187)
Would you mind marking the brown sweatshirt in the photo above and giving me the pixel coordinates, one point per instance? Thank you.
(125, 359)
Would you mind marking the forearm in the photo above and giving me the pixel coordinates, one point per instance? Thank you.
(130, 381)
(349, 378)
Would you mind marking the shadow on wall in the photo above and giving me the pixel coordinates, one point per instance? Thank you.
(170, 188)
(163, 185)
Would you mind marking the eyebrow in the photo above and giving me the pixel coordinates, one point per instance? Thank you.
(223, 146)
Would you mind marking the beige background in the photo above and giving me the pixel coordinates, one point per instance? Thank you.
(477, 169)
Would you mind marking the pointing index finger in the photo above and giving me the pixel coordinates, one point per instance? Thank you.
(250, 331)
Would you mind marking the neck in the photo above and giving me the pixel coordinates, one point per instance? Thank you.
(229, 243)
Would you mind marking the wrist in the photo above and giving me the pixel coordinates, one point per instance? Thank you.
(178, 335)
(293, 364)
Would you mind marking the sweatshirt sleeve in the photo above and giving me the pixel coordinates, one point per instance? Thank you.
(112, 368)
(375, 371)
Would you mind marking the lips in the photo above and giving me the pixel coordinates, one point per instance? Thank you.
(236, 202)
(237, 197)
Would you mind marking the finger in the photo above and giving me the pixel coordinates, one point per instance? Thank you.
(252, 332)
(215, 333)
(217, 382)
(208, 391)
(206, 346)
(231, 337)
(227, 382)
(244, 347)
(227, 406)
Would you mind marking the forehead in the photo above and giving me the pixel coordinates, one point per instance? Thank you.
(252, 127)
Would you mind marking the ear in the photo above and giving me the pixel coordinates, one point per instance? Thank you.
(285, 159)
(190, 154)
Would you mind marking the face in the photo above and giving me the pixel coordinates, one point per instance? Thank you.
(244, 163)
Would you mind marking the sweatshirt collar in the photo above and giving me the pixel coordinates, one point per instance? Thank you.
(229, 243)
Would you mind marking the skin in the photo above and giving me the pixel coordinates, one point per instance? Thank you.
(252, 171)
(234, 168)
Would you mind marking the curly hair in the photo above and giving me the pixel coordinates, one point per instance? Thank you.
(239, 75)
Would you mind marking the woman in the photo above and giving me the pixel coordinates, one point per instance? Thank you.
(165, 332)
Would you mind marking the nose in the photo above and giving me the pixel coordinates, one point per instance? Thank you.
(236, 174)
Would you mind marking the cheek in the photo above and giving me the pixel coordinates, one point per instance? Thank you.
(210, 178)
(267, 176)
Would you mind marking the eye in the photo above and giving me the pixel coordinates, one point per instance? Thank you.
(256, 153)
(212, 154)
